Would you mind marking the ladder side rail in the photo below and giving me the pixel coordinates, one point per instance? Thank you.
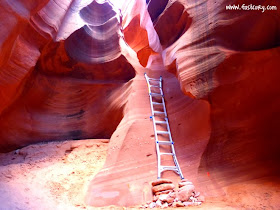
(158, 160)
(163, 101)
(154, 125)
(151, 99)
(169, 131)
(166, 117)
(156, 138)
(177, 165)
(173, 151)
(152, 108)
(171, 140)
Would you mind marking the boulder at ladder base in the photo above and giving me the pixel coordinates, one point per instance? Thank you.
(170, 200)
(185, 192)
(163, 197)
(173, 194)
(184, 183)
(178, 204)
(164, 192)
(158, 203)
(161, 181)
(162, 187)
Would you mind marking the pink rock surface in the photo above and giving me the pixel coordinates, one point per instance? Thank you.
(185, 193)
(58, 90)
(161, 181)
(162, 187)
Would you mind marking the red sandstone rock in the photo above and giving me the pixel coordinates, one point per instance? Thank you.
(162, 187)
(51, 95)
(173, 194)
(156, 7)
(158, 203)
(170, 199)
(178, 204)
(163, 192)
(137, 38)
(161, 181)
(172, 24)
(185, 192)
(182, 184)
(155, 198)
(163, 197)
(201, 198)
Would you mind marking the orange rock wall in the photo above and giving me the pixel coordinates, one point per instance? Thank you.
(53, 85)
(231, 58)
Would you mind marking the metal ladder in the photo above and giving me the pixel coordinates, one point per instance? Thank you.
(159, 117)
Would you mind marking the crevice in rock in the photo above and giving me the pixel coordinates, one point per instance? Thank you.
(172, 24)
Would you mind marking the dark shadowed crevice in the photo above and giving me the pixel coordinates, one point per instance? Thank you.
(156, 7)
(172, 24)
(262, 34)
(55, 61)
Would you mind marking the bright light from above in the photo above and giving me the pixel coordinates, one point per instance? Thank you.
(118, 3)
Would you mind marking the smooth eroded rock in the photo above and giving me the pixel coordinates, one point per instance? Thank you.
(185, 192)
(161, 181)
(162, 187)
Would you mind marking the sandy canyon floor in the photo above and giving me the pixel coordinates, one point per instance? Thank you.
(55, 176)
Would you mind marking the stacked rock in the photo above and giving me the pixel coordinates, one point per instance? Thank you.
(187, 195)
(165, 194)
(161, 189)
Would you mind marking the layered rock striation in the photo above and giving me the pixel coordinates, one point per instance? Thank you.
(60, 76)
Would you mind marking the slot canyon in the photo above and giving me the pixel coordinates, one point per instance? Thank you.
(75, 127)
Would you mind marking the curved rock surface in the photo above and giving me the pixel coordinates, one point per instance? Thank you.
(231, 59)
(173, 23)
(67, 72)
(98, 41)
(139, 33)
(57, 90)
(205, 47)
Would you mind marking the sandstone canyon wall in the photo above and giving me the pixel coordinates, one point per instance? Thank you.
(74, 69)
(62, 71)
(227, 58)
(231, 58)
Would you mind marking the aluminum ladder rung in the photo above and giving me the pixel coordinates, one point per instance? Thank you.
(157, 103)
(156, 94)
(169, 168)
(166, 153)
(165, 142)
(155, 86)
(152, 79)
(162, 132)
(159, 112)
(160, 122)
